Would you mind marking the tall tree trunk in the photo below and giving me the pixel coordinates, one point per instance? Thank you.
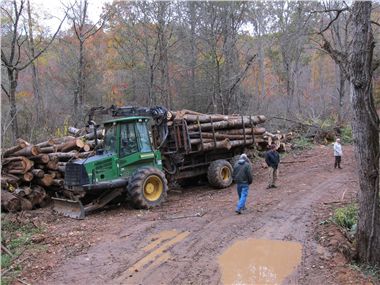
(341, 92)
(38, 104)
(12, 78)
(81, 78)
(365, 132)
(193, 57)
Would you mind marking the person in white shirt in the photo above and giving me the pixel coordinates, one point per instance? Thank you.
(338, 153)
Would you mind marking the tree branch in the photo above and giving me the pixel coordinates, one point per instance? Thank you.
(375, 23)
(5, 90)
(45, 48)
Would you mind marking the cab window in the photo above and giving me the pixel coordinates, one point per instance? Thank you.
(144, 138)
(110, 138)
(128, 138)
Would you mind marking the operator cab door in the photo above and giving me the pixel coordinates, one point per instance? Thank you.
(135, 147)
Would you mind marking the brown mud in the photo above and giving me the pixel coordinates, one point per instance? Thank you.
(184, 241)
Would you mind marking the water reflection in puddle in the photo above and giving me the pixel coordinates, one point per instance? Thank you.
(259, 261)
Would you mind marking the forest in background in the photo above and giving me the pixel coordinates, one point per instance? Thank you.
(214, 57)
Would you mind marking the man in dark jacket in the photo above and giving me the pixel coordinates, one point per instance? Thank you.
(242, 175)
(272, 158)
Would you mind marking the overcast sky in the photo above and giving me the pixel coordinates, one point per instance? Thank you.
(55, 8)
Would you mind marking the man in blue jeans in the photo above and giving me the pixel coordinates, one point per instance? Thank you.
(242, 175)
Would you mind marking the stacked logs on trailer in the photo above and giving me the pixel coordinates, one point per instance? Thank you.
(208, 132)
(30, 173)
(225, 132)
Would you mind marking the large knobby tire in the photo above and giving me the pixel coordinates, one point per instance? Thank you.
(219, 173)
(147, 187)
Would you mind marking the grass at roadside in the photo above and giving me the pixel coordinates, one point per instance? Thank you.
(16, 236)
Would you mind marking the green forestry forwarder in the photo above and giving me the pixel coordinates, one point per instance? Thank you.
(139, 152)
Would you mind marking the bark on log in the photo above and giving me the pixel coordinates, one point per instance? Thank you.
(41, 158)
(62, 168)
(37, 196)
(9, 179)
(247, 131)
(74, 131)
(22, 143)
(86, 154)
(240, 142)
(61, 140)
(65, 155)
(11, 150)
(91, 136)
(230, 124)
(225, 144)
(26, 204)
(38, 172)
(198, 141)
(21, 166)
(70, 145)
(49, 149)
(28, 151)
(45, 144)
(25, 191)
(58, 182)
(207, 118)
(10, 202)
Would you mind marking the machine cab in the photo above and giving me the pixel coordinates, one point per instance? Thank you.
(129, 139)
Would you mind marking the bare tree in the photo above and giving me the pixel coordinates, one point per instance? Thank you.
(358, 66)
(13, 57)
(83, 31)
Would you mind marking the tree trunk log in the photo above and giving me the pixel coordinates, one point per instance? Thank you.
(38, 172)
(28, 151)
(71, 145)
(49, 149)
(10, 202)
(41, 158)
(230, 124)
(225, 144)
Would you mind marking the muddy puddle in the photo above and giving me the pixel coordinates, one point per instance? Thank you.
(259, 261)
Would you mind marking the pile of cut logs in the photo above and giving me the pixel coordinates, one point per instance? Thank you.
(282, 141)
(30, 171)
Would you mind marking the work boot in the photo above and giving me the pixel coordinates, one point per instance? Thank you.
(274, 186)
(269, 186)
(238, 212)
(244, 208)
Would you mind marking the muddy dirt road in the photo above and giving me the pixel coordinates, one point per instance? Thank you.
(183, 242)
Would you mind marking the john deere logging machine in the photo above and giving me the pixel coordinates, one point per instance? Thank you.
(140, 153)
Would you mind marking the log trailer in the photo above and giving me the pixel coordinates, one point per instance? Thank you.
(143, 149)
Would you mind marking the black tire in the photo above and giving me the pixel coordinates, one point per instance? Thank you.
(219, 174)
(147, 187)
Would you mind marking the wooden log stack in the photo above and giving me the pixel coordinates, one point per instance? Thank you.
(31, 173)
(207, 132)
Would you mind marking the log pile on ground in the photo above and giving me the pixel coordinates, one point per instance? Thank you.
(30, 173)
